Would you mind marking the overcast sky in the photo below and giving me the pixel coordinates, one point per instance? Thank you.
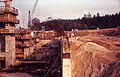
(67, 9)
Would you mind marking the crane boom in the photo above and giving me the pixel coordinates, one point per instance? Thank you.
(34, 8)
(31, 14)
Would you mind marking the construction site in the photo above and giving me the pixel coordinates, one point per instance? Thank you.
(56, 53)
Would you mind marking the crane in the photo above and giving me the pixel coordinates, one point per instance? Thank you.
(31, 14)
(7, 2)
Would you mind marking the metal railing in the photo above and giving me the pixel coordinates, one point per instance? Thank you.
(19, 52)
(4, 9)
(10, 19)
(19, 55)
(16, 31)
(23, 37)
(22, 45)
(7, 31)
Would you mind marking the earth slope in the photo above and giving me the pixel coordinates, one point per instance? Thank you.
(94, 60)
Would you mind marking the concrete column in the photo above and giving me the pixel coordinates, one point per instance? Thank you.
(10, 50)
(0, 43)
(66, 65)
(0, 65)
(26, 52)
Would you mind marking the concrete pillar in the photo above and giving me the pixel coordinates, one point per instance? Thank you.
(26, 52)
(10, 50)
(66, 65)
(0, 43)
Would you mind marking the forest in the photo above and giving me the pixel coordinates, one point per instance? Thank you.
(86, 22)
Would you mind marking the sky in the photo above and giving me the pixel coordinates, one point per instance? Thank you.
(64, 9)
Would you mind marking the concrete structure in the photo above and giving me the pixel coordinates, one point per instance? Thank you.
(7, 35)
(66, 67)
(66, 64)
(24, 45)
(28, 42)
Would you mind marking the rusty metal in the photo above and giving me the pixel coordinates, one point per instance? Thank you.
(7, 3)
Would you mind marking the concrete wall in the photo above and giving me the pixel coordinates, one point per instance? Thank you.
(9, 26)
(66, 67)
(26, 52)
(9, 53)
(10, 48)
(66, 61)
(9, 43)
(31, 48)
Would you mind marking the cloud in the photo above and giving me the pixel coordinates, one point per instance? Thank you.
(66, 8)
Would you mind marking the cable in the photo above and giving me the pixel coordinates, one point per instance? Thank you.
(52, 66)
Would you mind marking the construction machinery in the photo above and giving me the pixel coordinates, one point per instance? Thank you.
(48, 24)
(31, 14)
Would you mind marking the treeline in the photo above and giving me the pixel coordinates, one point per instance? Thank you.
(107, 21)
(86, 22)
(67, 25)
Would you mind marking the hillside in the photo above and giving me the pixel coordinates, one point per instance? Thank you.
(95, 55)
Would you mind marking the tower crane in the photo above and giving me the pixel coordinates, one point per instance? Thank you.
(31, 14)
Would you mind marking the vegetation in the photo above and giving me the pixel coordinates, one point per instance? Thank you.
(107, 21)
(86, 22)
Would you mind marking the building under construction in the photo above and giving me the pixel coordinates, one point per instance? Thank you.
(7, 35)
(23, 46)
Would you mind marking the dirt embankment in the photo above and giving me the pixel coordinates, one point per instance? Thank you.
(94, 59)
